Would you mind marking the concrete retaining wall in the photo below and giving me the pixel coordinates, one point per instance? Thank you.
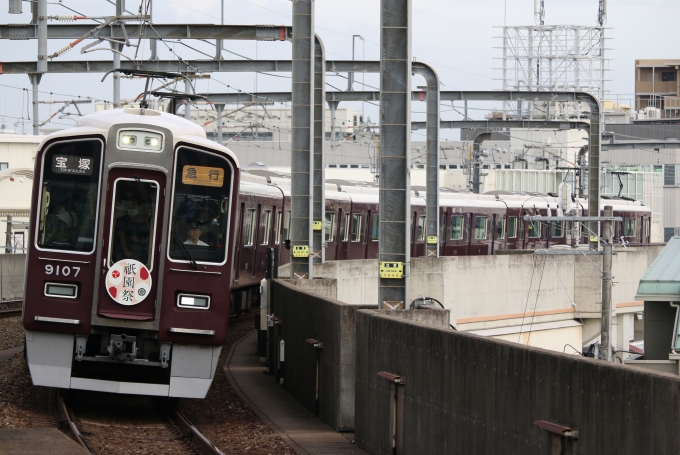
(306, 315)
(468, 394)
(305, 311)
(12, 267)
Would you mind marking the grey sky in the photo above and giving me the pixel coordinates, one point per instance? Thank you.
(456, 37)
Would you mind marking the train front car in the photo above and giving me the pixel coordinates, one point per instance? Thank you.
(129, 269)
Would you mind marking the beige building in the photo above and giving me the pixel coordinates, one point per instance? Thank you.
(17, 155)
(657, 85)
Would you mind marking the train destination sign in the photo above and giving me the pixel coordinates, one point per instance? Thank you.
(71, 164)
(202, 176)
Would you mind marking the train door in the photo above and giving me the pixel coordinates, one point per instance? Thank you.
(330, 234)
(132, 231)
(356, 229)
(365, 234)
(238, 243)
(373, 242)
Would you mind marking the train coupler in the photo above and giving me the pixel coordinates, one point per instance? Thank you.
(122, 347)
(80, 348)
(165, 354)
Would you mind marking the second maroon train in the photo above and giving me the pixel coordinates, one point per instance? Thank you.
(470, 224)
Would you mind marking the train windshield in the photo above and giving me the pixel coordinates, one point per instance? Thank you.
(200, 207)
(68, 196)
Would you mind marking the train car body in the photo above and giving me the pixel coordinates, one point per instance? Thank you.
(130, 261)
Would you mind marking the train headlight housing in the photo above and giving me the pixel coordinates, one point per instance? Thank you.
(201, 302)
(140, 141)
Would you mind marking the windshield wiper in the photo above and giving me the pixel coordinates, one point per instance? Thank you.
(177, 240)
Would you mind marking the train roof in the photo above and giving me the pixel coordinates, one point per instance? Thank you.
(101, 122)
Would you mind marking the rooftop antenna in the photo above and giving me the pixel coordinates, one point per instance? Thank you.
(602, 13)
(539, 11)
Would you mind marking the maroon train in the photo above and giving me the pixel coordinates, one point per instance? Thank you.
(470, 224)
(147, 237)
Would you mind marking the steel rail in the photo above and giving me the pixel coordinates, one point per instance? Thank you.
(196, 436)
(71, 425)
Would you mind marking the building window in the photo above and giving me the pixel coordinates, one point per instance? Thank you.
(453, 166)
(333, 165)
(354, 166)
(4, 166)
(668, 76)
(655, 77)
(669, 174)
(668, 233)
(343, 166)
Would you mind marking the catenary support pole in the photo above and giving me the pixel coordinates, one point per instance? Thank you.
(120, 10)
(606, 329)
(318, 191)
(8, 234)
(594, 170)
(395, 146)
(35, 82)
(187, 104)
(220, 109)
(302, 138)
(432, 151)
(153, 44)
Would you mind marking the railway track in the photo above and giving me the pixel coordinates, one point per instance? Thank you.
(10, 308)
(111, 424)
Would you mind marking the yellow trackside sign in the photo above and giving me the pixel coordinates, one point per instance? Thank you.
(317, 225)
(300, 251)
(431, 239)
(391, 270)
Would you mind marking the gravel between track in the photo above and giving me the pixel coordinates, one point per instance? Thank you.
(224, 419)
(11, 332)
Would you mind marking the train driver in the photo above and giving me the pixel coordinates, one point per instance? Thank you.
(194, 234)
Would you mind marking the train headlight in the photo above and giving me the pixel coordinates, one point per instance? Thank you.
(140, 141)
(128, 139)
(193, 301)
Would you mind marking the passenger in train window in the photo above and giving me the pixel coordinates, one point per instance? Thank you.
(194, 234)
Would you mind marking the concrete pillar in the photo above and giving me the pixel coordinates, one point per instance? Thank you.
(395, 145)
(302, 137)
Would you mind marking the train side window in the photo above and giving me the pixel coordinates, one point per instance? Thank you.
(375, 232)
(250, 227)
(557, 229)
(277, 235)
(330, 227)
(345, 234)
(466, 229)
(201, 207)
(456, 229)
(68, 196)
(647, 222)
(500, 228)
(629, 227)
(356, 227)
(512, 227)
(286, 226)
(534, 229)
(456, 232)
(480, 227)
(265, 225)
(421, 227)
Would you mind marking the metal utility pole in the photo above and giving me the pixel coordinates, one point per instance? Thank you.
(395, 155)
(602, 13)
(302, 138)
(219, 108)
(39, 10)
(432, 172)
(350, 75)
(606, 329)
(152, 42)
(8, 234)
(120, 10)
(318, 252)
(187, 104)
